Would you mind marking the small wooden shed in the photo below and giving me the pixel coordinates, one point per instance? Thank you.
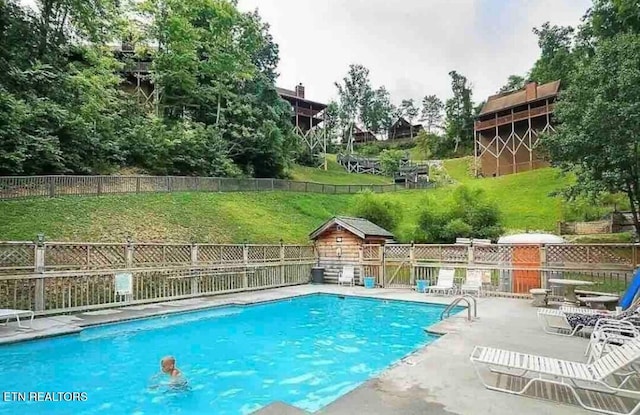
(338, 242)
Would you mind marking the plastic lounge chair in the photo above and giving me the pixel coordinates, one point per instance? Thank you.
(609, 334)
(8, 314)
(346, 276)
(472, 283)
(555, 321)
(572, 375)
(445, 282)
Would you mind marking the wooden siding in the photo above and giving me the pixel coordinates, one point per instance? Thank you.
(327, 248)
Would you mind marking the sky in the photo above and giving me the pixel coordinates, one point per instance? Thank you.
(409, 46)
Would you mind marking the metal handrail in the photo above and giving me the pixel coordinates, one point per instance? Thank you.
(456, 301)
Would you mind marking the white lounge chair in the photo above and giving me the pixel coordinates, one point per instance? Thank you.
(609, 334)
(573, 375)
(7, 314)
(445, 282)
(472, 283)
(346, 276)
(555, 321)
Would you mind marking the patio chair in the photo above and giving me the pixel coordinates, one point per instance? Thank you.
(568, 321)
(556, 322)
(9, 314)
(444, 284)
(346, 276)
(609, 334)
(472, 283)
(532, 369)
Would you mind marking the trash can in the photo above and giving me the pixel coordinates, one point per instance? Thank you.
(317, 275)
(369, 282)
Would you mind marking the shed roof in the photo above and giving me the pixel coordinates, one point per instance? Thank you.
(358, 226)
(508, 100)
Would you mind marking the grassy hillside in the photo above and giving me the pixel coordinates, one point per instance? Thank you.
(262, 217)
(335, 174)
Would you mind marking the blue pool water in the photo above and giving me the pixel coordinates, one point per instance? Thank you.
(306, 351)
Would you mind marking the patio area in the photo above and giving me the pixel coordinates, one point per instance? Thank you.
(438, 379)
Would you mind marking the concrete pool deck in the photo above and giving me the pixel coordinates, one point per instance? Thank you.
(438, 379)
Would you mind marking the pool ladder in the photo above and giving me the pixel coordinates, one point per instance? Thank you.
(467, 299)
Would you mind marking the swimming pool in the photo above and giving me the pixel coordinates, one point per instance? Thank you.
(306, 351)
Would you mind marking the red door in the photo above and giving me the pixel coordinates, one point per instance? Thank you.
(526, 256)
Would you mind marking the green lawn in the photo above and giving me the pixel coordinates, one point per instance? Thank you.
(265, 217)
(335, 174)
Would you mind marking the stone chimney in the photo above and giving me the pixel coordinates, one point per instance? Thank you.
(300, 91)
(532, 91)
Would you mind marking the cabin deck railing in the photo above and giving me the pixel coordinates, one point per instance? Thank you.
(515, 117)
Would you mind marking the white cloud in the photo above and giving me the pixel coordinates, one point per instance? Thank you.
(411, 45)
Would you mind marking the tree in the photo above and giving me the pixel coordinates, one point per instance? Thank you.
(514, 82)
(354, 94)
(376, 109)
(382, 212)
(431, 115)
(459, 113)
(556, 59)
(606, 19)
(216, 66)
(409, 111)
(469, 214)
(599, 121)
(390, 161)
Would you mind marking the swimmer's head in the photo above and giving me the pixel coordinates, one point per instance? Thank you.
(168, 364)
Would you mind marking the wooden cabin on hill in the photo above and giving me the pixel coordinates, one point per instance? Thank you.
(306, 113)
(508, 127)
(339, 240)
(402, 129)
(361, 136)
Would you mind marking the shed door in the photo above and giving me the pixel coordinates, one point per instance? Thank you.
(526, 256)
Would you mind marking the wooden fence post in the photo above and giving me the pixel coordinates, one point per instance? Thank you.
(39, 269)
(282, 265)
(137, 185)
(245, 261)
(194, 272)
(361, 263)
(543, 265)
(412, 264)
(100, 179)
(129, 251)
(52, 186)
(273, 186)
(383, 266)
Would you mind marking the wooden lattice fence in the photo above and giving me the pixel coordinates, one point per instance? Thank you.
(53, 277)
(509, 268)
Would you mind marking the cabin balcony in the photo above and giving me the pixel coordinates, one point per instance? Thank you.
(514, 117)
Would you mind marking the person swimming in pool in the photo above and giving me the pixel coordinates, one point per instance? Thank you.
(168, 367)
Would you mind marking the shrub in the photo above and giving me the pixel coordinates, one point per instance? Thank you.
(468, 215)
(591, 208)
(390, 161)
(374, 208)
(369, 150)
